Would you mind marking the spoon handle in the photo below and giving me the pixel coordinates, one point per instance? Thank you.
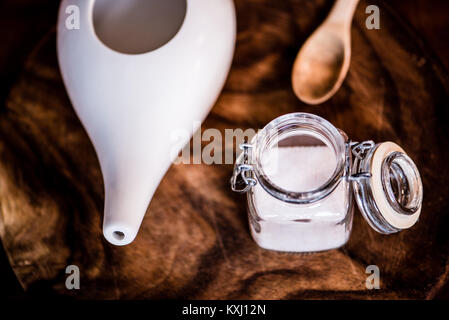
(342, 12)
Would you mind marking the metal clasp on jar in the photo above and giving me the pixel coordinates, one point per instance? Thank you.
(360, 150)
(243, 178)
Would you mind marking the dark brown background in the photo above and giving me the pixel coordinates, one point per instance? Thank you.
(24, 22)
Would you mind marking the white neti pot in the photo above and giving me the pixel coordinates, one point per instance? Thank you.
(136, 70)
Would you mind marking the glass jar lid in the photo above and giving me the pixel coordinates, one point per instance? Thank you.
(388, 187)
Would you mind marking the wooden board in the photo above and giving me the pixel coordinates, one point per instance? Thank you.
(194, 241)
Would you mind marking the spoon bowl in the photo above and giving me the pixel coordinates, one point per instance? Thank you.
(318, 69)
(323, 61)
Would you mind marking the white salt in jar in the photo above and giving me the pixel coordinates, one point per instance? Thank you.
(300, 178)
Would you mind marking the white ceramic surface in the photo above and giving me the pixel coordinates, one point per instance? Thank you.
(130, 104)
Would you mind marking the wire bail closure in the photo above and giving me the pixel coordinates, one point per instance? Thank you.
(360, 150)
(242, 178)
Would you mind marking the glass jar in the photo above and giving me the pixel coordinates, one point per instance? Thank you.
(301, 175)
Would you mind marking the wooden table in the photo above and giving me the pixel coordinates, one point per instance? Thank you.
(194, 241)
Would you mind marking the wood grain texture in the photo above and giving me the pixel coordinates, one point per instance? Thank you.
(194, 241)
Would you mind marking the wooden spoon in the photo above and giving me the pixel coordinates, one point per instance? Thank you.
(323, 61)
